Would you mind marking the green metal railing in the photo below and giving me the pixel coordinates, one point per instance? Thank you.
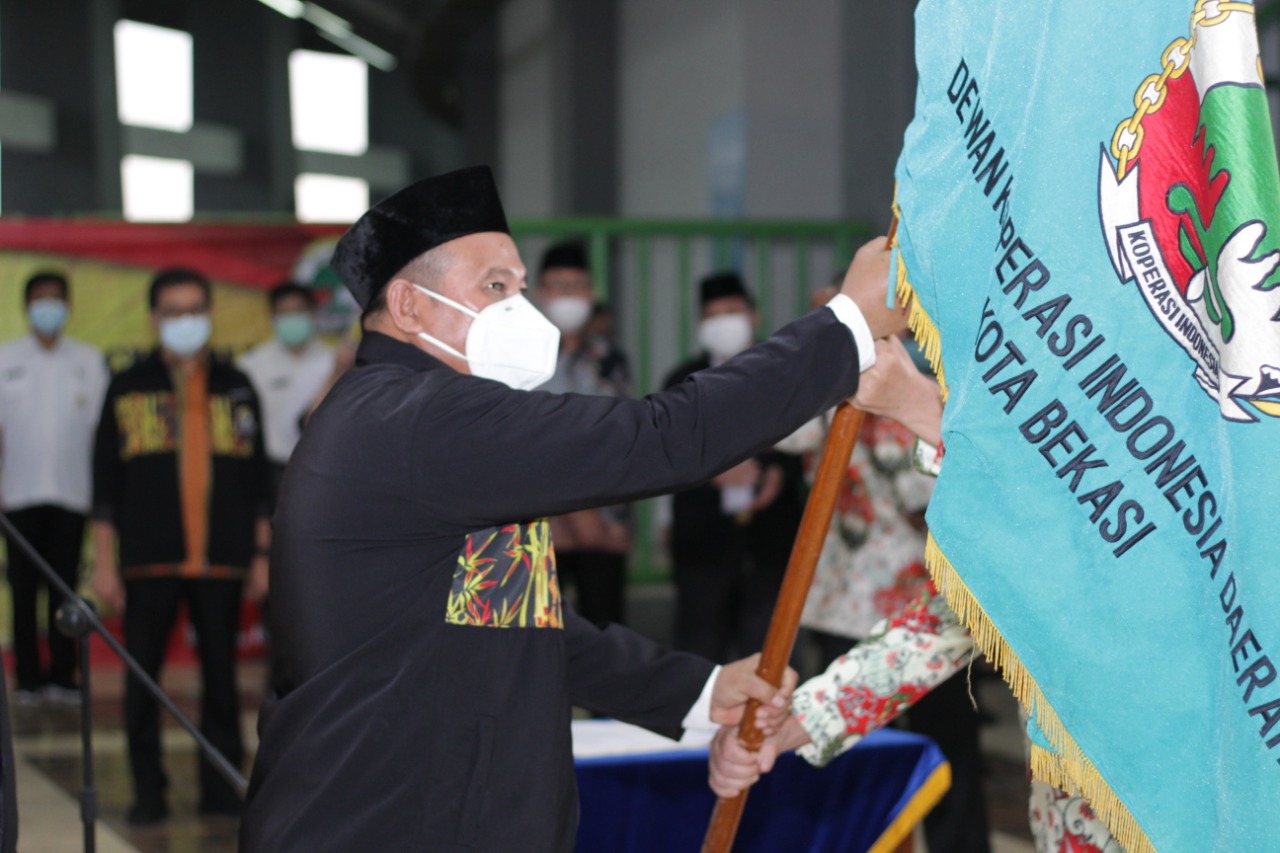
(648, 271)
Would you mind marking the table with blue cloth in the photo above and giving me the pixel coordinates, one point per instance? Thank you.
(642, 793)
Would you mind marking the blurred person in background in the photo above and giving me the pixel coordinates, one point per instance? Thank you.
(51, 391)
(872, 568)
(602, 325)
(288, 371)
(731, 538)
(181, 487)
(592, 544)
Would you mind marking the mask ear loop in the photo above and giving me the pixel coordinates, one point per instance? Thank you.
(447, 301)
(431, 339)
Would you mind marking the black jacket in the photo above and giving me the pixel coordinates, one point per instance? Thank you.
(424, 684)
(700, 530)
(135, 466)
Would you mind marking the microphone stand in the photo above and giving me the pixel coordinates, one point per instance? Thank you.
(76, 618)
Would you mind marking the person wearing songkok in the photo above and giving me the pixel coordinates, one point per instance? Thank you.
(907, 657)
(51, 391)
(288, 371)
(425, 663)
(731, 537)
(180, 488)
(592, 544)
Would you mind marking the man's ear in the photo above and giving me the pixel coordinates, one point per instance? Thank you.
(403, 307)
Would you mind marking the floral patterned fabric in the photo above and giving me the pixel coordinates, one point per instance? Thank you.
(878, 679)
(1063, 823)
(506, 578)
(871, 564)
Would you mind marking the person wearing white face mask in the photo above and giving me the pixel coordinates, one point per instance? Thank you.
(180, 485)
(51, 391)
(591, 544)
(730, 538)
(728, 324)
(425, 665)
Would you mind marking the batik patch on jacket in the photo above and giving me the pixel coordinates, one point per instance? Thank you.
(232, 424)
(149, 424)
(506, 578)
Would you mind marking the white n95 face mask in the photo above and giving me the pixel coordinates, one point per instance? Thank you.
(509, 341)
(569, 313)
(725, 335)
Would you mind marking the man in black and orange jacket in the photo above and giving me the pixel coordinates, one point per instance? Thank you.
(180, 481)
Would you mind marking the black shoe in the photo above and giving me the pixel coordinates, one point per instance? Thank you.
(26, 697)
(61, 694)
(147, 813)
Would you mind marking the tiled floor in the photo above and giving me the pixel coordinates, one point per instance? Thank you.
(47, 743)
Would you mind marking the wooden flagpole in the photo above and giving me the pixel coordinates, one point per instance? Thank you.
(786, 615)
(781, 638)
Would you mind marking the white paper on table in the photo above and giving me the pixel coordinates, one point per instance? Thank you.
(603, 738)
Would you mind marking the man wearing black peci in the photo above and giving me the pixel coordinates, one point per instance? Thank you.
(425, 664)
(731, 538)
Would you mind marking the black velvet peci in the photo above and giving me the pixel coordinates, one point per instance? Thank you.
(721, 284)
(569, 254)
(417, 218)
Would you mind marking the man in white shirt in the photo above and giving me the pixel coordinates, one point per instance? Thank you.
(51, 390)
(289, 371)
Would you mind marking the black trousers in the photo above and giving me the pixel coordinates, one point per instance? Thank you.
(213, 606)
(58, 535)
(958, 824)
(724, 602)
(600, 578)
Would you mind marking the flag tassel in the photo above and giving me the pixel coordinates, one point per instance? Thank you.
(1066, 767)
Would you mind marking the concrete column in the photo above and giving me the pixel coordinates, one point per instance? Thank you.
(396, 121)
(481, 97)
(240, 68)
(526, 116)
(585, 93)
(681, 72)
(793, 64)
(878, 103)
(64, 53)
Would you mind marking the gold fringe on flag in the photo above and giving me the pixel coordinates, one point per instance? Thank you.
(918, 320)
(1066, 767)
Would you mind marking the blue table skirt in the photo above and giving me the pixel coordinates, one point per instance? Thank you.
(661, 802)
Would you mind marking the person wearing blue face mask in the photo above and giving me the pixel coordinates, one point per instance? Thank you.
(289, 371)
(51, 391)
(180, 489)
(425, 665)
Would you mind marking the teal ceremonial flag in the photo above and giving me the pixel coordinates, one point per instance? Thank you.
(1090, 227)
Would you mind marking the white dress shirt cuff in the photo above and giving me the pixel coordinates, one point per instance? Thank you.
(848, 312)
(698, 727)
